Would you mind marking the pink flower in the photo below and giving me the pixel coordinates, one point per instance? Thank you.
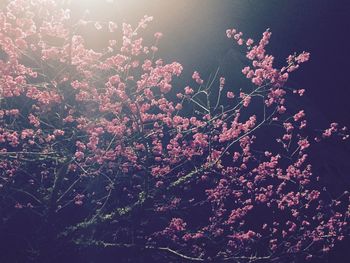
(98, 26)
(301, 92)
(58, 132)
(112, 26)
(188, 90)
(230, 32)
(257, 81)
(79, 155)
(246, 70)
(299, 115)
(18, 206)
(246, 101)
(303, 57)
(249, 42)
(78, 199)
(158, 35)
(197, 78)
(178, 106)
(304, 143)
(33, 120)
(230, 95)
(177, 224)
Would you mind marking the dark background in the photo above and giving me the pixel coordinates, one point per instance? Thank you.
(194, 35)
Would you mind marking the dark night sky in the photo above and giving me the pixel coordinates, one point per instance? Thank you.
(194, 35)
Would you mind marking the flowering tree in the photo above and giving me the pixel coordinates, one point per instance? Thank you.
(97, 152)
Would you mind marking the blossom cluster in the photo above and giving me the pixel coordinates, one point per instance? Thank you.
(100, 131)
